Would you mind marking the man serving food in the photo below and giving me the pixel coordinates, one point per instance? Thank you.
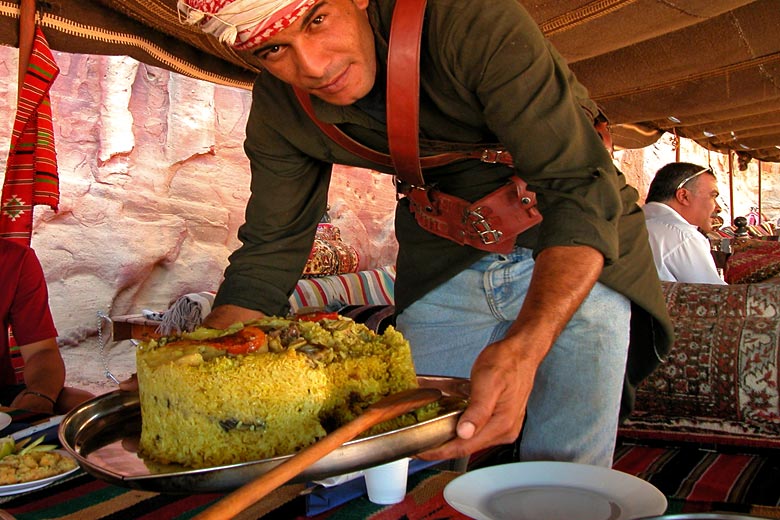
(540, 318)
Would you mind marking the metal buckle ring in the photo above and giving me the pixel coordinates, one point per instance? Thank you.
(481, 226)
(492, 156)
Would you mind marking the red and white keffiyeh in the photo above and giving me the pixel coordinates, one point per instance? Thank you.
(242, 24)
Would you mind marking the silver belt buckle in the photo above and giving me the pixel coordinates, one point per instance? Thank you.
(481, 226)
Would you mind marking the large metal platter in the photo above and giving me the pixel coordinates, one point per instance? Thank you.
(103, 434)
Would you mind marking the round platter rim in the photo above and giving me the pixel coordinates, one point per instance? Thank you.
(85, 423)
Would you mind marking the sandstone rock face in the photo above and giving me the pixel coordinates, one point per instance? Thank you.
(154, 181)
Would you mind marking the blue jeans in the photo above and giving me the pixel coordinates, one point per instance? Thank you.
(572, 413)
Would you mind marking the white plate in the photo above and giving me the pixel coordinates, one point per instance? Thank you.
(5, 420)
(553, 491)
(13, 489)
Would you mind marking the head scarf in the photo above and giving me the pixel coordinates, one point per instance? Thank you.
(242, 24)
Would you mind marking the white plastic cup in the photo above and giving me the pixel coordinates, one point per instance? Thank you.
(386, 484)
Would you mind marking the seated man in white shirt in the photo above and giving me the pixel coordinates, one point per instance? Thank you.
(680, 205)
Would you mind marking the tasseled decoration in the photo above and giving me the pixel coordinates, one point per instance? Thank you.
(189, 15)
(184, 315)
(229, 35)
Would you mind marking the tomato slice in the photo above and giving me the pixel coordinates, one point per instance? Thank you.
(248, 339)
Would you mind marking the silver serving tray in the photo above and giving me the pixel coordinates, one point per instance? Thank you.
(103, 433)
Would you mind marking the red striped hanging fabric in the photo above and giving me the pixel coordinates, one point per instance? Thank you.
(31, 173)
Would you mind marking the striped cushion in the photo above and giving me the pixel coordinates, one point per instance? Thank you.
(371, 287)
(765, 229)
(762, 230)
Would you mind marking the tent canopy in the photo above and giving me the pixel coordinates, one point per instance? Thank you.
(708, 70)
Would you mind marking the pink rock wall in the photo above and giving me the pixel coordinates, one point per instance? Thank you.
(154, 180)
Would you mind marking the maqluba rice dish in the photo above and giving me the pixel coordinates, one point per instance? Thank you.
(263, 389)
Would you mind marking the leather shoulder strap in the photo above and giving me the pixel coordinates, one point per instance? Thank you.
(340, 137)
(403, 89)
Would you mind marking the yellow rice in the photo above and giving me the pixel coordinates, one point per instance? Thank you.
(238, 408)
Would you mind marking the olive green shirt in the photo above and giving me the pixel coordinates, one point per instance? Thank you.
(488, 76)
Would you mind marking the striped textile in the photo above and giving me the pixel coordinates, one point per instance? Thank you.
(31, 171)
(82, 497)
(31, 168)
(759, 230)
(371, 287)
(691, 476)
(693, 479)
(697, 479)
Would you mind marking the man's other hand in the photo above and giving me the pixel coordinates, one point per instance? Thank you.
(224, 316)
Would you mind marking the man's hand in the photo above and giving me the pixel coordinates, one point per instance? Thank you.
(224, 316)
(501, 382)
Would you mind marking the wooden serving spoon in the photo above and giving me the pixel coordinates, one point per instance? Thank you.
(387, 408)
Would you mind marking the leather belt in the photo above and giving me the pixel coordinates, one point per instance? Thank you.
(491, 224)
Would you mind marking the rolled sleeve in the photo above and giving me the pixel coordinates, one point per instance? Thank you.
(288, 198)
(569, 220)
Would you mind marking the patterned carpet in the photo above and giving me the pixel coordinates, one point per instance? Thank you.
(720, 383)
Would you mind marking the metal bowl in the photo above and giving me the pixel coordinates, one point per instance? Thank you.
(103, 433)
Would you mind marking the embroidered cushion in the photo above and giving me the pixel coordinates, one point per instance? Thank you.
(330, 254)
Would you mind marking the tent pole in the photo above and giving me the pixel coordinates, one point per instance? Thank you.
(731, 185)
(676, 146)
(26, 37)
(759, 192)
